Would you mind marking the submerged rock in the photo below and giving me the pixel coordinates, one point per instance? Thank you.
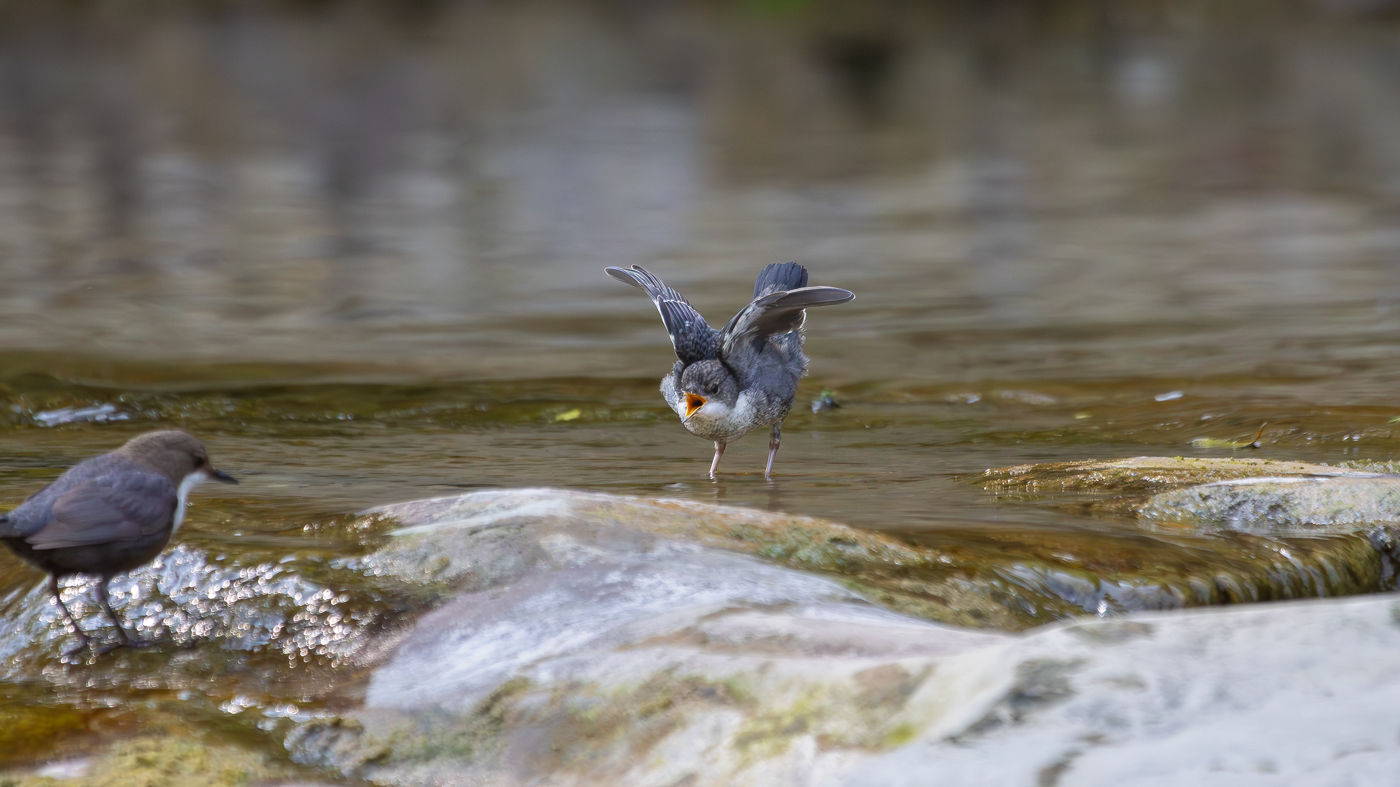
(1276, 529)
(167, 759)
(601, 640)
(1150, 473)
(1121, 486)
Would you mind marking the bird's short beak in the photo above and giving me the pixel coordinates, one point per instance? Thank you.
(693, 402)
(222, 477)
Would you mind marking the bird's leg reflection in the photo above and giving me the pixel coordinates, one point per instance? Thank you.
(775, 502)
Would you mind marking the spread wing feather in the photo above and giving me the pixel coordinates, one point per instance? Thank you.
(776, 313)
(692, 337)
(107, 509)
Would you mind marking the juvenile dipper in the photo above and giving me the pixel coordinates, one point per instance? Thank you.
(110, 514)
(729, 382)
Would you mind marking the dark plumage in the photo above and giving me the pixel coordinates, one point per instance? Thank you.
(728, 382)
(109, 514)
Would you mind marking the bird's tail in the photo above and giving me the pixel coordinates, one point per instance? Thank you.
(780, 277)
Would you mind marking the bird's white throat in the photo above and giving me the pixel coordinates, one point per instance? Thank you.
(712, 411)
(191, 481)
(717, 412)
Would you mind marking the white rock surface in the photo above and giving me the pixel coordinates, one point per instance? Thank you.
(587, 651)
(1292, 694)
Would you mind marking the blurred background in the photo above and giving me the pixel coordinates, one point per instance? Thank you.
(358, 245)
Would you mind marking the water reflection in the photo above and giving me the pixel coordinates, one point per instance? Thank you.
(438, 190)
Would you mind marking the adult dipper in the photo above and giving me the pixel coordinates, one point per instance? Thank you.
(729, 382)
(110, 514)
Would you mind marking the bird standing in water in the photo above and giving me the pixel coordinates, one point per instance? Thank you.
(109, 514)
(731, 381)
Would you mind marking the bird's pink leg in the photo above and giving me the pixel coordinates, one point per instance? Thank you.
(773, 440)
(719, 451)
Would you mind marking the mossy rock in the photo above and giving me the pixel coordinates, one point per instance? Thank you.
(1120, 487)
(1147, 474)
(169, 760)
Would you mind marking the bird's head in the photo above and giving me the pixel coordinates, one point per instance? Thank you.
(178, 455)
(708, 391)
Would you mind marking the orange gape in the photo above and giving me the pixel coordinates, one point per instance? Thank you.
(693, 402)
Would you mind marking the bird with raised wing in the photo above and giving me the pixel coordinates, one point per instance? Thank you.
(730, 381)
(109, 514)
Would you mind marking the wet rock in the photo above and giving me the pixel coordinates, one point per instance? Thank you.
(1149, 473)
(1307, 504)
(243, 651)
(488, 538)
(1122, 486)
(1277, 529)
(603, 640)
(185, 598)
(593, 637)
(1253, 495)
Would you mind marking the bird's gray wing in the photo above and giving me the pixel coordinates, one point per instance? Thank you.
(115, 507)
(776, 313)
(692, 337)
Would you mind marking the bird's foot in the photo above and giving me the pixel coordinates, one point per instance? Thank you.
(123, 643)
(83, 642)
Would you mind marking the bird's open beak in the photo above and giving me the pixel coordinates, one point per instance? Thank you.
(693, 402)
(222, 477)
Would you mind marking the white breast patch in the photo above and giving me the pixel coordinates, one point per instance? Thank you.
(191, 481)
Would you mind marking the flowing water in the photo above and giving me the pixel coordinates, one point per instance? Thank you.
(358, 248)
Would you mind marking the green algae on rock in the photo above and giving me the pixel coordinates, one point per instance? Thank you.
(164, 760)
(1144, 473)
(1121, 486)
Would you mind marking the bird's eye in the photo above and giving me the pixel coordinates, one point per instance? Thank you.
(199, 461)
